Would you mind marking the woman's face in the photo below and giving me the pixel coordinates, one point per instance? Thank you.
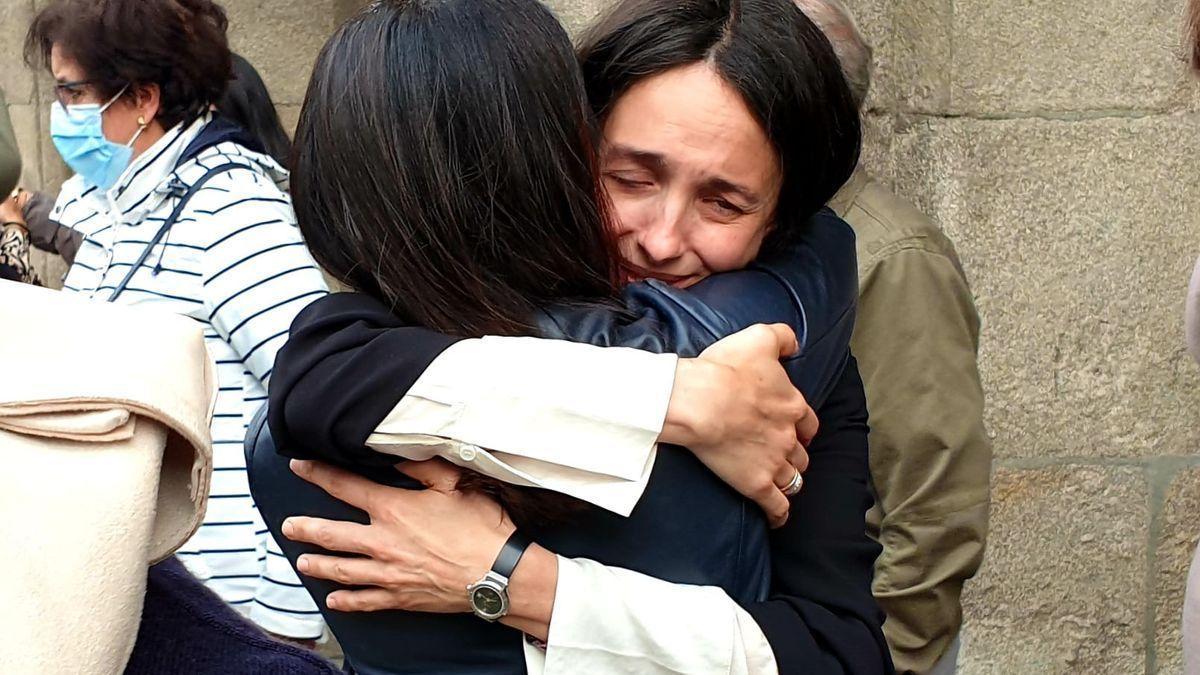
(693, 178)
(72, 87)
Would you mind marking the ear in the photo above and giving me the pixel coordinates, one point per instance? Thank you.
(147, 98)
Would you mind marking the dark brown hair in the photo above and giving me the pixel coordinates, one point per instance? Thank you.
(446, 164)
(180, 45)
(771, 53)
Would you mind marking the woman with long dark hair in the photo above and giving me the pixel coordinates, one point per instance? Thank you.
(451, 218)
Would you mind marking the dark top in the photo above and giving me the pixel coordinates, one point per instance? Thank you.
(48, 234)
(186, 628)
(350, 361)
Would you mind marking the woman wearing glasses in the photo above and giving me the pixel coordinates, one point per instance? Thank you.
(181, 211)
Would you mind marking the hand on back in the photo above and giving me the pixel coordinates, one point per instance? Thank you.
(737, 410)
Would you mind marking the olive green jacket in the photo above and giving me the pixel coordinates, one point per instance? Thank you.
(10, 156)
(916, 342)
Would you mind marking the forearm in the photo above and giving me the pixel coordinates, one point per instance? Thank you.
(47, 234)
(608, 619)
(531, 593)
(338, 344)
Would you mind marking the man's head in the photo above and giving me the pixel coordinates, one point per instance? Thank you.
(852, 49)
(727, 123)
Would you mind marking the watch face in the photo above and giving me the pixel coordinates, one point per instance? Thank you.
(487, 601)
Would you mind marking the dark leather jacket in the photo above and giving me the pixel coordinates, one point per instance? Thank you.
(350, 361)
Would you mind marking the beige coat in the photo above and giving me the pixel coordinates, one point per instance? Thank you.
(104, 418)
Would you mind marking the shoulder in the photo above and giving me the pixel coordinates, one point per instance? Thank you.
(888, 225)
(239, 194)
(233, 173)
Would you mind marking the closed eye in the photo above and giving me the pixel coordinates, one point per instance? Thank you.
(628, 182)
(725, 207)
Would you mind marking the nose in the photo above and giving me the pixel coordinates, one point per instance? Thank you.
(662, 240)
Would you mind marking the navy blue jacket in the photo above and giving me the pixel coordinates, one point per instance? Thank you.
(349, 362)
(186, 628)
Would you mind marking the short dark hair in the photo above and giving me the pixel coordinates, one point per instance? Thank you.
(180, 45)
(771, 53)
(248, 103)
(446, 164)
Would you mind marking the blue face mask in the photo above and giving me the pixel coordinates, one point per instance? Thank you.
(78, 133)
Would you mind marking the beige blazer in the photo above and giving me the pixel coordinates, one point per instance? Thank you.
(105, 463)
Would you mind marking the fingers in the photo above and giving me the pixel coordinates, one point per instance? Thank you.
(775, 505)
(799, 459)
(366, 600)
(807, 427)
(339, 483)
(784, 475)
(331, 535)
(772, 500)
(346, 571)
(436, 474)
(785, 338)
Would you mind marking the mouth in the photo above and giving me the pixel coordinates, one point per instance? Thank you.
(633, 272)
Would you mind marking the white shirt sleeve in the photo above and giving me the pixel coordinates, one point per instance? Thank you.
(568, 417)
(613, 620)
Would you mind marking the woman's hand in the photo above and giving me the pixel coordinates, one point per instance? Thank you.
(12, 208)
(421, 550)
(736, 409)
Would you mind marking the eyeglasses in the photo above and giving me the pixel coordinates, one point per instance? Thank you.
(72, 93)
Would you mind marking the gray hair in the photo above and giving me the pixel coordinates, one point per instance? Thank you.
(852, 49)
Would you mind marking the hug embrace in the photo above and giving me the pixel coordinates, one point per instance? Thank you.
(511, 216)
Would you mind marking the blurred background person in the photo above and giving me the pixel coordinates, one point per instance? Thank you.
(178, 210)
(246, 102)
(14, 237)
(916, 340)
(1191, 601)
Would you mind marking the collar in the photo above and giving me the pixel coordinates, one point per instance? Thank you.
(845, 197)
(150, 172)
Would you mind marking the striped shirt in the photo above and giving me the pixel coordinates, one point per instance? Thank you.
(235, 262)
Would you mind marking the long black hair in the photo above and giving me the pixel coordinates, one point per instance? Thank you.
(248, 103)
(446, 163)
(771, 53)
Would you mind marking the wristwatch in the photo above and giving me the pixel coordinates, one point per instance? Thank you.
(489, 595)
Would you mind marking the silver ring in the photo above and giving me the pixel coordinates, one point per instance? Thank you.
(795, 486)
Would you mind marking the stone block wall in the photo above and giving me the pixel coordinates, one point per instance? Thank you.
(1053, 142)
(1058, 144)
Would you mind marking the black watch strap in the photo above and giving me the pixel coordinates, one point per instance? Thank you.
(511, 554)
